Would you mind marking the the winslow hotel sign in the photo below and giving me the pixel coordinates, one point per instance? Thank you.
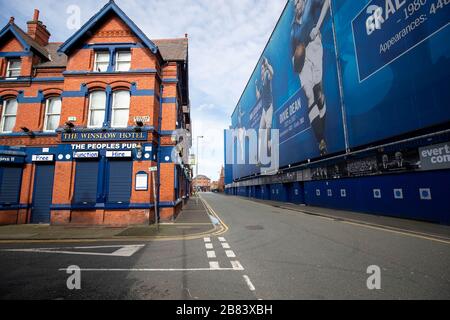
(103, 136)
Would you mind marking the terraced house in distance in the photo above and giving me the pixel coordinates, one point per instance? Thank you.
(82, 123)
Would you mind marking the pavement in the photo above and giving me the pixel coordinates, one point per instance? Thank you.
(195, 221)
(260, 252)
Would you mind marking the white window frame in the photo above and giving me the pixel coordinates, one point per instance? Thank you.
(90, 109)
(7, 115)
(47, 114)
(114, 108)
(117, 60)
(96, 53)
(9, 69)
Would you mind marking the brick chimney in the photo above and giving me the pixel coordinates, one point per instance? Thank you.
(37, 30)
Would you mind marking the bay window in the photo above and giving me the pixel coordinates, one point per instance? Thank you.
(97, 108)
(9, 114)
(52, 113)
(13, 68)
(123, 61)
(120, 109)
(101, 62)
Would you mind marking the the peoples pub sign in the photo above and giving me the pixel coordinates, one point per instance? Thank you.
(103, 136)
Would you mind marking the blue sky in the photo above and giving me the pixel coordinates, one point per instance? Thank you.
(226, 39)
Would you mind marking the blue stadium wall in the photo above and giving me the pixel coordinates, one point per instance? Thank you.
(384, 85)
(420, 196)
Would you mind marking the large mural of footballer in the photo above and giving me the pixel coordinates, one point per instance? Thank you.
(307, 59)
(241, 131)
(265, 94)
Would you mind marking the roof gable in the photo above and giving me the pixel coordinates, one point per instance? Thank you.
(25, 40)
(110, 7)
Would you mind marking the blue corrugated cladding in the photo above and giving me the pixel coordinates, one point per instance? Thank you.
(10, 178)
(120, 177)
(86, 178)
(43, 192)
(422, 196)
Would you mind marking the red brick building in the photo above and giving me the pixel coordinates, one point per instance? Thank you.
(83, 121)
(202, 183)
(222, 180)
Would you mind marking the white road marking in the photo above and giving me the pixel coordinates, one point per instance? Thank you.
(207, 239)
(222, 239)
(237, 266)
(225, 246)
(230, 254)
(249, 283)
(211, 254)
(155, 270)
(209, 246)
(214, 265)
(123, 251)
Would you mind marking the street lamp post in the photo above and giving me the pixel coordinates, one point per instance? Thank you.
(198, 156)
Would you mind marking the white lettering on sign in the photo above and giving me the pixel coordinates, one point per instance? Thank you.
(103, 146)
(378, 15)
(85, 155)
(118, 154)
(42, 158)
(291, 110)
(7, 159)
(144, 119)
(435, 157)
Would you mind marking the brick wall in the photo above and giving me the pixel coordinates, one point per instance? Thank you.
(31, 115)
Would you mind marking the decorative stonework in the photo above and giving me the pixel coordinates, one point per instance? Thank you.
(114, 33)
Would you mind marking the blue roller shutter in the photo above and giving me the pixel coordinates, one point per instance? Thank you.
(120, 179)
(86, 177)
(10, 182)
(43, 192)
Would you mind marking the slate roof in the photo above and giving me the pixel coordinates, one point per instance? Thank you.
(173, 49)
(32, 43)
(56, 59)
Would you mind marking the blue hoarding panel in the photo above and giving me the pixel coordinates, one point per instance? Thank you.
(422, 196)
(294, 88)
(394, 58)
(385, 30)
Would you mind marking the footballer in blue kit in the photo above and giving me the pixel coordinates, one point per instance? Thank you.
(264, 93)
(307, 59)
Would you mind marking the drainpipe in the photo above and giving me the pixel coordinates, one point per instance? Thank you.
(158, 173)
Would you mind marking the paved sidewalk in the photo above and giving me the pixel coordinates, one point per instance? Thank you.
(194, 221)
(412, 226)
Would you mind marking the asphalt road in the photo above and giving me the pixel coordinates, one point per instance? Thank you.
(267, 253)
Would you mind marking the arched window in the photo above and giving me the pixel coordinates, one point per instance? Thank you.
(52, 113)
(120, 109)
(9, 114)
(97, 108)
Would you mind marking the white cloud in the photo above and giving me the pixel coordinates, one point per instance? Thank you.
(226, 38)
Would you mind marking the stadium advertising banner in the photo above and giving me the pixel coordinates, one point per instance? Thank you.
(395, 62)
(294, 88)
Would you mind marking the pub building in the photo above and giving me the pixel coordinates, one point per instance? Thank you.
(86, 130)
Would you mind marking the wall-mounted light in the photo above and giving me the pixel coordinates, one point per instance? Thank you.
(68, 126)
(139, 126)
(28, 132)
(138, 151)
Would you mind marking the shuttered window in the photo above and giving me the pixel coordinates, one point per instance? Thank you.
(86, 177)
(10, 181)
(120, 180)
